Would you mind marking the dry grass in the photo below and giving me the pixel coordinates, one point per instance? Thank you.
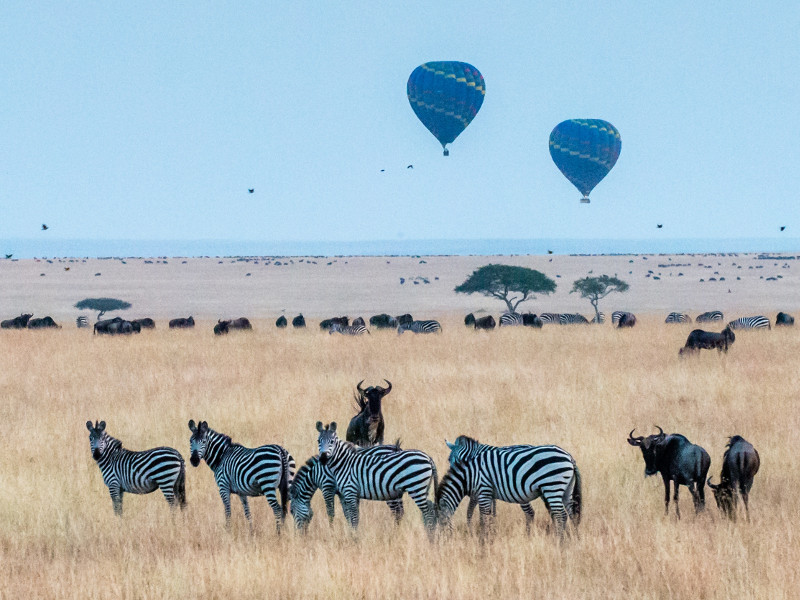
(583, 388)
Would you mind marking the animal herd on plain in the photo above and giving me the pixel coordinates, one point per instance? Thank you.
(362, 467)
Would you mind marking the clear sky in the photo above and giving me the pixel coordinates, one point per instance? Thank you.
(149, 120)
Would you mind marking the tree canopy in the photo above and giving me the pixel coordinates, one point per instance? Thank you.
(596, 288)
(102, 305)
(513, 285)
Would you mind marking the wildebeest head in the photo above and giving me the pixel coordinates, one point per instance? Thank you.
(97, 438)
(371, 397)
(723, 494)
(649, 447)
(198, 441)
(221, 327)
(327, 441)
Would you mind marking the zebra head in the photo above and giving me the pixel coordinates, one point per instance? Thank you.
(98, 438)
(198, 441)
(328, 441)
(300, 493)
(462, 449)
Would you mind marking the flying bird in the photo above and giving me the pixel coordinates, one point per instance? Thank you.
(383, 170)
(251, 190)
(783, 227)
(549, 251)
(9, 255)
(44, 227)
(66, 268)
(659, 225)
(410, 167)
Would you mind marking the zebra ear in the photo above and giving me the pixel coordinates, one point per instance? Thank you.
(192, 426)
(89, 425)
(333, 425)
(449, 445)
(319, 426)
(203, 425)
(102, 426)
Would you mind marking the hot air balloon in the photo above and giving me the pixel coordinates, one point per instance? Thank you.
(585, 150)
(446, 96)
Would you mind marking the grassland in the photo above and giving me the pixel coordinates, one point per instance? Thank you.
(582, 388)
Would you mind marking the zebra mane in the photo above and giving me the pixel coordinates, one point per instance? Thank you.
(224, 437)
(447, 481)
(466, 439)
(113, 443)
(301, 474)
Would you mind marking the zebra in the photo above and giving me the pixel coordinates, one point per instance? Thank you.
(420, 327)
(243, 471)
(313, 476)
(572, 319)
(357, 328)
(360, 474)
(758, 322)
(465, 448)
(137, 472)
(708, 317)
(617, 315)
(677, 317)
(516, 474)
(509, 319)
(599, 318)
(554, 318)
(82, 322)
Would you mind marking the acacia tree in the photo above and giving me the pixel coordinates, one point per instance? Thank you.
(102, 305)
(596, 288)
(512, 285)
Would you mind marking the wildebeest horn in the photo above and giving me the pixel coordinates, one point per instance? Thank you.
(711, 485)
(660, 431)
(388, 389)
(635, 441)
(359, 388)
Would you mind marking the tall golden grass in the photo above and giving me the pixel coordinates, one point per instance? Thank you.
(583, 388)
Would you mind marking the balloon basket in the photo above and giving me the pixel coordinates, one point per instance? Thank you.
(446, 152)
(585, 200)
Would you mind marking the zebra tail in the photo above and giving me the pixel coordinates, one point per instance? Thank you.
(286, 478)
(576, 500)
(180, 486)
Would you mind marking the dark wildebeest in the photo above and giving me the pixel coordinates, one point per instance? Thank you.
(406, 318)
(221, 327)
(20, 322)
(708, 339)
(116, 326)
(626, 320)
(784, 319)
(366, 428)
(486, 322)
(299, 321)
(281, 323)
(740, 464)
(383, 321)
(326, 324)
(531, 320)
(225, 326)
(181, 323)
(678, 461)
(146, 323)
(43, 323)
(469, 320)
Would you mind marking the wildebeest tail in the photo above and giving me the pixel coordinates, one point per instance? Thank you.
(180, 486)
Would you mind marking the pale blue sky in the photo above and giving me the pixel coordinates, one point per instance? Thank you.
(151, 120)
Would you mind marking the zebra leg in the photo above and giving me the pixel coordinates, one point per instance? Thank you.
(350, 509)
(116, 500)
(396, 506)
(246, 507)
(272, 498)
(169, 494)
(558, 513)
(225, 494)
(485, 505)
(473, 502)
(528, 510)
(330, 507)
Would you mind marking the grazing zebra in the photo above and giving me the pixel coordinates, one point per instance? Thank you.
(572, 319)
(508, 319)
(466, 448)
(599, 318)
(676, 317)
(313, 476)
(758, 322)
(361, 475)
(617, 315)
(420, 327)
(243, 471)
(708, 317)
(357, 328)
(82, 322)
(554, 318)
(137, 472)
(518, 475)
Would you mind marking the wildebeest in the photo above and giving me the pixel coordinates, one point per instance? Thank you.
(469, 320)
(678, 461)
(115, 326)
(708, 339)
(784, 320)
(486, 322)
(740, 463)
(626, 320)
(223, 327)
(406, 318)
(383, 321)
(366, 428)
(531, 320)
(43, 323)
(20, 322)
(299, 321)
(326, 324)
(146, 323)
(181, 323)
(281, 322)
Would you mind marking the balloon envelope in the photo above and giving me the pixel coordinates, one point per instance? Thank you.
(585, 150)
(446, 96)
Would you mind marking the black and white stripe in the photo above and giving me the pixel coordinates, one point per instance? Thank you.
(429, 326)
(82, 322)
(678, 317)
(358, 327)
(599, 318)
(554, 318)
(514, 474)
(312, 476)
(710, 316)
(243, 471)
(137, 472)
(572, 319)
(617, 315)
(360, 475)
(508, 319)
(757, 322)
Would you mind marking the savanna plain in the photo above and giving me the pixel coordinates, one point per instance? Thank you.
(580, 387)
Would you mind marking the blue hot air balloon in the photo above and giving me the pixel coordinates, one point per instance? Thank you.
(446, 96)
(585, 150)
